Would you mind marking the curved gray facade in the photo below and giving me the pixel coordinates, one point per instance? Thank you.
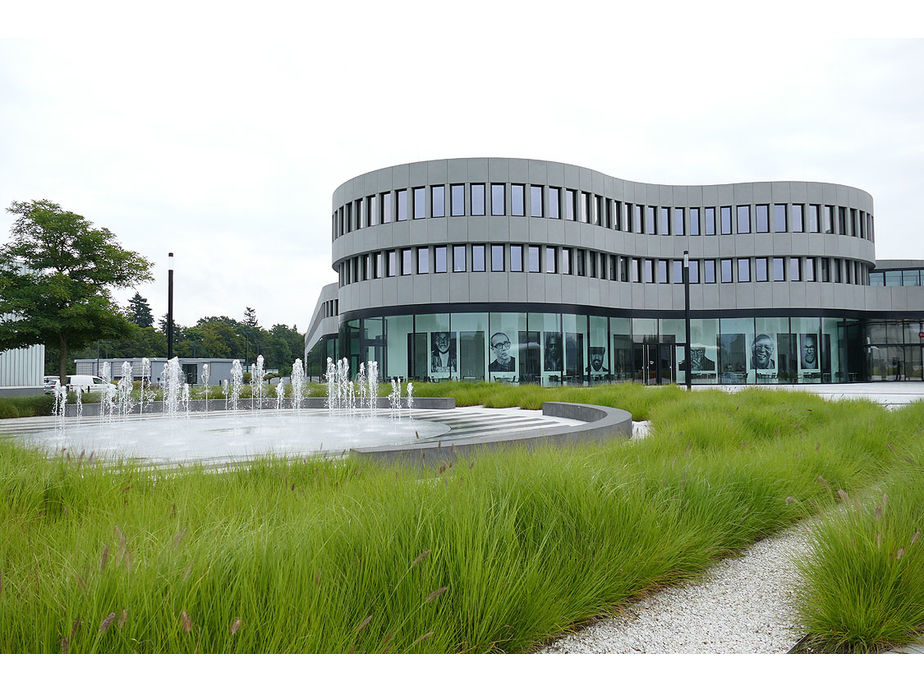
(515, 235)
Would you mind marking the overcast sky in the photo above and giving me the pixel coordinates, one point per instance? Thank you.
(221, 134)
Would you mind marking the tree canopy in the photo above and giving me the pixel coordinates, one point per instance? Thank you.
(140, 311)
(55, 280)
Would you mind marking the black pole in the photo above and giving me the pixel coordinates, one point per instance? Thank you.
(170, 306)
(686, 318)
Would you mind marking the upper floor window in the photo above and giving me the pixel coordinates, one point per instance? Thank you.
(438, 201)
(533, 258)
(842, 221)
(497, 258)
(478, 258)
(407, 261)
(662, 271)
(828, 219)
(566, 260)
(813, 220)
(794, 274)
(617, 215)
(677, 272)
(744, 219)
(664, 221)
(796, 220)
(554, 203)
(726, 266)
(679, 227)
(809, 269)
(517, 208)
(694, 221)
(420, 205)
(458, 258)
(760, 269)
(648, 271)
(584, 210)
(744, 269)
(440, 258)
(710, 221)
(423, 261)
(516, 258)
(650, 220)
(569, 204)
(476, 191)
(779, 218)
(709, 271)
(392, 263)
(726, 221)
(457, 200)
(372, 217)
(763, 218)
(498, 208)
(778, 269)
(535, 200)
(402, 205)
(694, 271)
(388, 208)
(551, 256)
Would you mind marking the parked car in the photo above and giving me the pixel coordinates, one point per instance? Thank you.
(51, 382)
(86, 383)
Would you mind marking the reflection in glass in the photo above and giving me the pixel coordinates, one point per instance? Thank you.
(477, 201)
(457, 200)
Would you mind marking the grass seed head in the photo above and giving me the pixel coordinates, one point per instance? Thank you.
(419, 558)
(917, 535)
(236, 626)
(423, 637)
(843, 494)
(104, 626)
(433, 595)
(104, 558)
(123, 618)
(185, 621)
(364, 623)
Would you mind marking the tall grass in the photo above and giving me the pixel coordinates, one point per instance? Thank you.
(498, 552)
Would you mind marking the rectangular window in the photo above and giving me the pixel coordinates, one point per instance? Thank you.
(679, 229)
(796, 222)
(407, 261)
(566, 260)
(662, 271)
(637, 219)
(497, 258)
(569, 204)
(554, 203)
(779, 218)
(825, 269)
(744, 269)
(862, 225)
(423, 261)
(388, 208)
(578, 256)
(694, 221)
(837, 270)
(709, 271)
(710, 221)
(551, 260)
(591, 262)
(379, 265)
(763, 218)
(600, 217)
(358, 213)
(778, 269)
(809, 269)
(648, 271)
(476, 203)
(617, 215)
(439, 258)
(694, 271)
(371, 219)
(584, 213)
(760, 269)
(842, 221)
(813, 219)
(794, 274)
(517, 204)
(402, 205)
(744, 219)
(664, 221)
(458, 258)
(478, 258)
(392, 263)
(420, 205)
(616, 267)
(726, 271)
(457, 199)
(498, 207)
(534, 258)
(828, 219)
(348, 216)
(677, 273)
(635, 268)
(516, 258)
(726, 221)
(438, 201)
(535, 200)
(650, 227)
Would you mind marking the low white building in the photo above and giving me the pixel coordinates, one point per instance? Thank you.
(22, 371)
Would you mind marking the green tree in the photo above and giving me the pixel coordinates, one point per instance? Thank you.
(139, 311)
(55, 279)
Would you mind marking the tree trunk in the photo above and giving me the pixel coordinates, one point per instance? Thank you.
(62, 360)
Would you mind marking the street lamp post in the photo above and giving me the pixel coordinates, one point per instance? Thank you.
(169, 306)
(688, 375)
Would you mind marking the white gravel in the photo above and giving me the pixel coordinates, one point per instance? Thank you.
(743, 605)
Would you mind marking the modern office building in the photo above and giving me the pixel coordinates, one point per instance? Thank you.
(533, 271)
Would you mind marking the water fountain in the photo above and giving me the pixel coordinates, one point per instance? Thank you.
(126, 403)
(107, 399)
(205, 378)
(237, 382)
(298, 384)
(256, 382)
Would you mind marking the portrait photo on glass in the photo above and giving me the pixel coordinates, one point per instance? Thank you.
(699, 362)
(808, 352)
(763, 353)
(732, 356)
(443, 353)
(501, 349)
(552, 353)
(597, 357)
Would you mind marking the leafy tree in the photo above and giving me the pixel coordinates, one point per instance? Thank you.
(139, 311)
(55, 278)
(250, 317)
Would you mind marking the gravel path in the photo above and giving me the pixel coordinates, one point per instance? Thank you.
(743, 605)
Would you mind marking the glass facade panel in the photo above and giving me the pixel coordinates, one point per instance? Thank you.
(423, 261)
(397, 329)
(388, 208)
(497, 258)
(554, 203)
(533, 263)
(664, 221)
(498, 206)
(744, 219)
(392, 263)
(569, 204)
(726, 266)
(828, 219)
(471, 330)
(710, 221)
(440, 258)
(458, 258)
(511, 347)
(694, 221)
(763, 218)
(726, 220)
(809, 265)
(677, 272)
(679, 226)
(621, 352)
(744, 269)
(574, 328)
(476, 191)
(478, 258)
(547, 326)
(516, 258)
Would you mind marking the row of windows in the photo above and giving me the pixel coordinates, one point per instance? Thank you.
(514, 257)
(331, 308)
(574, 205)
(900, 277)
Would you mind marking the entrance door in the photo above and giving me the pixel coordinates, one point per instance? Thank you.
(656, 363)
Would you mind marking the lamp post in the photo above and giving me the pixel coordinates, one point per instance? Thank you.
(169, 306)
(688, 375)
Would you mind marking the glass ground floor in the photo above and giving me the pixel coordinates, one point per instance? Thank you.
(579, 349)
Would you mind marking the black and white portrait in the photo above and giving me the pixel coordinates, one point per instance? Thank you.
(808, 352)
(502, 361)
(699, 362)
(763, 353)
(552, 356)
(443, 353)
(597, 360)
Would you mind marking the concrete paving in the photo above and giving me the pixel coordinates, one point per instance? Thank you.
(887, 393)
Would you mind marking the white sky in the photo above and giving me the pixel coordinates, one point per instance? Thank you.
(220, 131)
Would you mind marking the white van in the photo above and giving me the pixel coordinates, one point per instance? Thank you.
(86, 383)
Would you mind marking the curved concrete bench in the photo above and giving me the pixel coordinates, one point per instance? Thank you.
(600, 423)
